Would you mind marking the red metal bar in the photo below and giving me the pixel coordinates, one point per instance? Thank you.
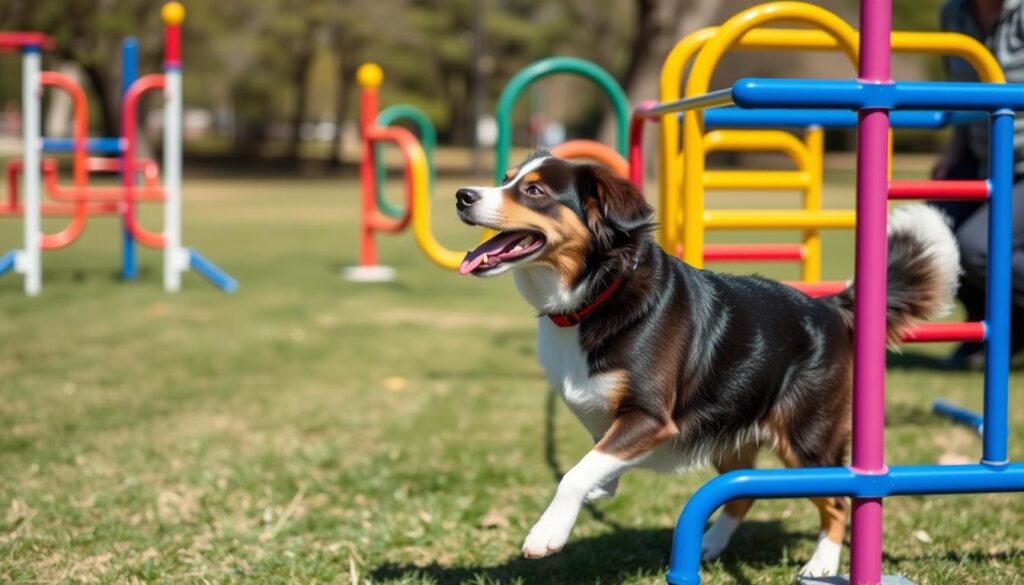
(820, 289)
(14, 41)
(14, 168)
(753, 252)
(60, 209)
(636, 142)
(80, 173)
(129, 127)
(595, 151)
(96, 194)
(404, 140)
(148, 167)
(372, 219)
(172, 46)
(369, 104)
(151, 192)
(957, 190)
(939, 332)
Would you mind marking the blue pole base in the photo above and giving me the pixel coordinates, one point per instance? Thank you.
(959, 414)
(129, 263)
(7, 262)
(211, 271)
(684, 566)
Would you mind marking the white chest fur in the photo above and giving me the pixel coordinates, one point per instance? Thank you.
(589, 397)
(565, 362)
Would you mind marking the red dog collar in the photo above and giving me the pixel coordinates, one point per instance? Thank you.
(575, 317)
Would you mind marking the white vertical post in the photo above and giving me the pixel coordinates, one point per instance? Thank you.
(175, 260)
(29, 261)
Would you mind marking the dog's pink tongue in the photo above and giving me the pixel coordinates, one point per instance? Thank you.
(474, 258)
(470, 262)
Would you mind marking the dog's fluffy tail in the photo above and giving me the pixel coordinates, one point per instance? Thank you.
(923, 270)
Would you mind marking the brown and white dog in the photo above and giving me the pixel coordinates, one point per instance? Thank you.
(669, 367)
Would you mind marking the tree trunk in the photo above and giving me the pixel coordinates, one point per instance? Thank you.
(343, 97)
(108, 100)
(660, 25)
(301, 86)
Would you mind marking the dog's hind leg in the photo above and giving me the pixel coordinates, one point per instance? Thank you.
(832, 511)
(630, 438)
(825, 560)
(717, 536)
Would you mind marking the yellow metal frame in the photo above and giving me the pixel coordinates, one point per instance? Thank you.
(684, 218)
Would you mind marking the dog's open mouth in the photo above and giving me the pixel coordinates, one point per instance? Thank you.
(501, 249)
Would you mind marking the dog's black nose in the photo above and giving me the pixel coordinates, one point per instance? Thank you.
(465, 197)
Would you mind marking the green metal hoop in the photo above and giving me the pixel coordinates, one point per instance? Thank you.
(428, 139)
(552, 66)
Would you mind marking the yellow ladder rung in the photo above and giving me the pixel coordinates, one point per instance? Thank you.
(779, 219)
(759, 180)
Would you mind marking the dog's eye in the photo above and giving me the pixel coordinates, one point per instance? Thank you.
(534, 190)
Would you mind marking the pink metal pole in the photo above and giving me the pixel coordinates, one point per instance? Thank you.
(869, 306)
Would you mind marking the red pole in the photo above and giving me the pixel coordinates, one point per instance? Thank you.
(956, 190)
(129, 128)
(81, 172)
(369, 76)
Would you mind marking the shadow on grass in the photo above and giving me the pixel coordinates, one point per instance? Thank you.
(920, 361)
(613, 557)
(901, 415)
(913, 361)
(957, 557)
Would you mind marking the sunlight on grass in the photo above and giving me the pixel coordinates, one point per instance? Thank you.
(308, 429)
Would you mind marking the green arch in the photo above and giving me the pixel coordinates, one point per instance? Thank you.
(428, 139)
(544, 68)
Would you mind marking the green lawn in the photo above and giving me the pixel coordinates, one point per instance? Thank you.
(311, 430)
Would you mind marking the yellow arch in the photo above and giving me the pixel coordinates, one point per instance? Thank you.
(700, 78)
(706, 48)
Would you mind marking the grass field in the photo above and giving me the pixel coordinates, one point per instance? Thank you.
(309, 430)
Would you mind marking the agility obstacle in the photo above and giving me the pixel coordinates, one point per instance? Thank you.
(684, 179)
(378, 128)
(876, 101)
(684, 217)
(80, 201)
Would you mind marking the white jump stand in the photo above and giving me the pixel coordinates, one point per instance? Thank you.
(886, 580)
(377, 273)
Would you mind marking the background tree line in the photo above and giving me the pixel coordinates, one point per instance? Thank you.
(266, 67)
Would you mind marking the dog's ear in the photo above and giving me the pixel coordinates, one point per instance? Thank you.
(611, 203)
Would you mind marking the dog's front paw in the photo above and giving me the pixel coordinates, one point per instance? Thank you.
(544, 539)
(825, 560)
(712, 545)
(717, 537)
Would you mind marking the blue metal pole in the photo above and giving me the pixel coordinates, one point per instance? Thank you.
(129, 73)
(854, 95)
(211, 271)
(94, 145)
(733, 117)
(997, 301)
(959, 414)
(7, 262)
(684, 566)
